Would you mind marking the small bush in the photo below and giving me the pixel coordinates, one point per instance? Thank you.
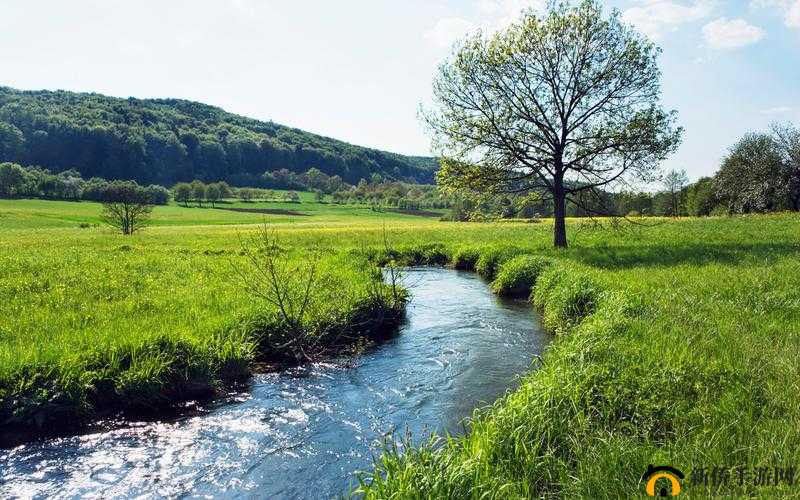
(517, 276)
(427, 254)
(566, 296)
(491, 258)
(465, 258)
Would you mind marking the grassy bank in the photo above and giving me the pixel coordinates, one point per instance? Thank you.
(678, 342)
(95, 323)
(680, 351)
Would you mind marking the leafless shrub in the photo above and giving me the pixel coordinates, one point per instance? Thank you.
(295, 284)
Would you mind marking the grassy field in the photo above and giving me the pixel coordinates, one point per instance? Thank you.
(678, 341)
(46, 214)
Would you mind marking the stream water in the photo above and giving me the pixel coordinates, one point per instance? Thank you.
(304, 433)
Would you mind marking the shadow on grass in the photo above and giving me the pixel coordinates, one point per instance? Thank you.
(621, 257)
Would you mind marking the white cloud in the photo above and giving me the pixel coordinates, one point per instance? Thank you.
(724, 34)
(655, 17)
(790, 9)
(778, 110)
(492, 15)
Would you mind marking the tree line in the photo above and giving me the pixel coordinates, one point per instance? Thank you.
(378, 192)
(17, 181)
(165, 141)
(199, 192)
(759, 174)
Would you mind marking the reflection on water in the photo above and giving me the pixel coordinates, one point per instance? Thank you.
(303, 433)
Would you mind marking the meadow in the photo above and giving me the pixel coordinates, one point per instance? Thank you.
(677, 340)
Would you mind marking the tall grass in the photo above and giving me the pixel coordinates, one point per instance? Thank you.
(662, 357)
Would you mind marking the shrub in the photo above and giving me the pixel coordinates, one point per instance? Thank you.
(427, 254)
(517, 276)
(465, 258)
(566, 296)
(491, 258)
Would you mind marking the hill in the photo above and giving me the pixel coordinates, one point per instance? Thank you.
(165, 141)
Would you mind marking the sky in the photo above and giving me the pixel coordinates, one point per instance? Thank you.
(358, 70)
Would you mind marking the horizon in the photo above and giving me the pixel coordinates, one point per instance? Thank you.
(714, 56)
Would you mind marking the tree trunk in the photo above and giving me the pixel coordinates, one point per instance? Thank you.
(559, 225)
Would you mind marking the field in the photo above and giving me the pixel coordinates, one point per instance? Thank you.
(678, 339)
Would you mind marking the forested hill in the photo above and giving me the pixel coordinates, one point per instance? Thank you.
(164, 141)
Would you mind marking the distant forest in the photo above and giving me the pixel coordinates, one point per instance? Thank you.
(164, 141)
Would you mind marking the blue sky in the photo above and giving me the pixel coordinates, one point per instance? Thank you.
(358, 70)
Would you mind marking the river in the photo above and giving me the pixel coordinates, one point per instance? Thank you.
(304, 433)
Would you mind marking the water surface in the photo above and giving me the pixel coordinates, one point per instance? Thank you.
(304, 433)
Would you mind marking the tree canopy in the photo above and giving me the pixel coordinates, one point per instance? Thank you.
(758, 175)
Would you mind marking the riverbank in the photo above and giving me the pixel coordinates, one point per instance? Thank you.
(662, 357)
(60, 380)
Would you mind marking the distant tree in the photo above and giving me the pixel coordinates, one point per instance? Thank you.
(198, 192)
(561, 104)
(126, 207)
(51, 186)
(335, 183)
(292, 197)
(788, 139)
(674, 182)
(225, 190)
(700, 197)
(316, 179)
(94, 189)
(753, 176)
(319, 196)
(159, 195)
(12, 180)
(182, 192)
(213, 193)
(632, 203)
(73, 188)
(246, 194)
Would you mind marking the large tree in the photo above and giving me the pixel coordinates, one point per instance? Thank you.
(754, 176)
(559, 104)
(788, 138)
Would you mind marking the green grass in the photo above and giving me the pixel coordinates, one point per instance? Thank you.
(517, 276)
(678, 343)
(45, 214)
